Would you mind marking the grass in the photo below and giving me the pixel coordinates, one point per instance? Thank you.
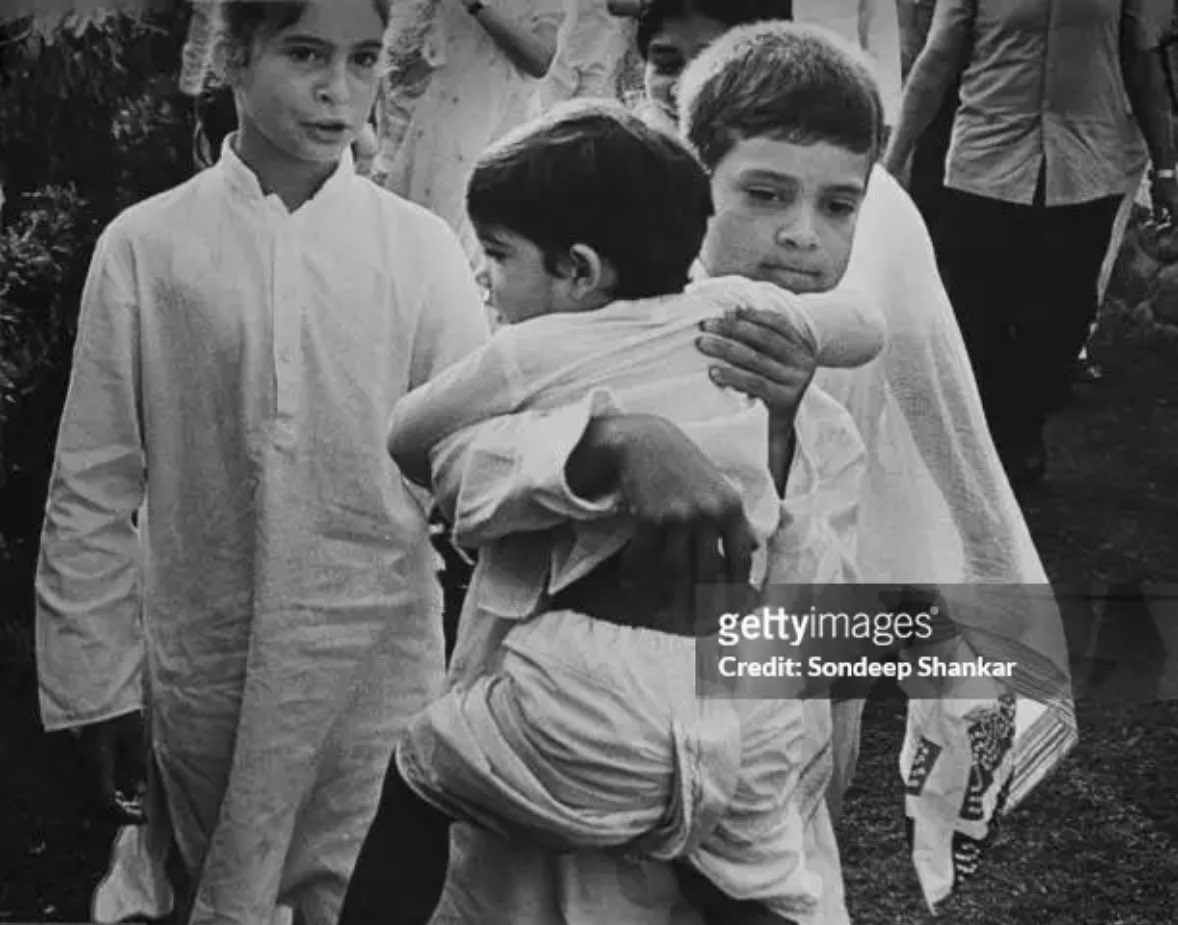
(1097, 844)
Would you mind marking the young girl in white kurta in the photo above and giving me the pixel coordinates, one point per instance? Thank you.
(242, 341)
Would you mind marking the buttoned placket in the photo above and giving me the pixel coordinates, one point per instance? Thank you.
(286, 317)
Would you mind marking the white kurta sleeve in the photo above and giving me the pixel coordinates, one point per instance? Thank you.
(89, 636)
(508, 475)
(478, 387)
(452, 322)
(450, 325)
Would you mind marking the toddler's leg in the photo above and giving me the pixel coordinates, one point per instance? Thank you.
(401, 870)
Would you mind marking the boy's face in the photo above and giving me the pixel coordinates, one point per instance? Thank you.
(785, 212)
(671, 49)
(514, 273)
(306, 91)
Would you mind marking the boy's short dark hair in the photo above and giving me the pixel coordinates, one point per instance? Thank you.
(593, 173)
(727, 12)
(780, 80)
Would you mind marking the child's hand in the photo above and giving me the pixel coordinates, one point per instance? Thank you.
(764, 357)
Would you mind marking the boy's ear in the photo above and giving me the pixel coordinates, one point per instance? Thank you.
(587, 271)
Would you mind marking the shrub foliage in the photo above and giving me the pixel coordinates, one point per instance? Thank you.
(90, 122)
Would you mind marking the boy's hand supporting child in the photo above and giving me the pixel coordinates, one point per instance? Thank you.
(691, 523)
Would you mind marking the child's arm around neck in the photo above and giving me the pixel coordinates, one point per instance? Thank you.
(844, 327)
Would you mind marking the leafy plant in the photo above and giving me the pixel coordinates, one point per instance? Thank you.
(90, 122)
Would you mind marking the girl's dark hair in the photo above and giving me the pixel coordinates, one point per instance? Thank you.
(243, 21)
(728, 13)
(595, 174)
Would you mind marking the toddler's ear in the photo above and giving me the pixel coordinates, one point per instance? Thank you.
(588, 271)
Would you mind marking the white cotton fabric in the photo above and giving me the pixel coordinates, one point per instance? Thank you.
(936, 508)
(451, 91)
(591, 735)
(490, 475)
(873, 25)
(591, 49)
(276, 608)
(532, 743)
(644, 353)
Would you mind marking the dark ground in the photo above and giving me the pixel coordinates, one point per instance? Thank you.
(1096, 845)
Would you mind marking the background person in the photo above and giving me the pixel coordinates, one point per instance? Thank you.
(461, 74)
(1042, 154)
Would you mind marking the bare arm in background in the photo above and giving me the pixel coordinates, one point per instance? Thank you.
(531, 52)
(1144, 24)
(937, 68)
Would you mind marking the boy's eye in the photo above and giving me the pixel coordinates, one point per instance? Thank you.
(841, 208)
(764, 194)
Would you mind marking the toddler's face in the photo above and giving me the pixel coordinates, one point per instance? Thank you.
(785, 212)
(518, 283)
(308, 89)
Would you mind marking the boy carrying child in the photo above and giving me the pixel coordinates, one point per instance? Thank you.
(590, 222)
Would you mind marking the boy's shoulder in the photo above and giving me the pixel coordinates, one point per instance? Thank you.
(400, 209)
(161, 213)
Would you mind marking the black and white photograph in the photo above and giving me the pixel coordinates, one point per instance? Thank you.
(589, 462)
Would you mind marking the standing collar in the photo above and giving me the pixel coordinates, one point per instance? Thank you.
(242, 180)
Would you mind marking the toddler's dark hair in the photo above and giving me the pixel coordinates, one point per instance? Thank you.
(593, 173)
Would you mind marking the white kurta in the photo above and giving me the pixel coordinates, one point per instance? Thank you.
(436, 122)
(235, 368)
(591, 49)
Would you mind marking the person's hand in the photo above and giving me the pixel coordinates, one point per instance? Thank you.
(114, 755)
(1163, 194)
(763, 357)
(691, 526)
(690, 517)
(364, 149)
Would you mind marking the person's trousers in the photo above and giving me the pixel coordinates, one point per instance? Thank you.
(1023, 283)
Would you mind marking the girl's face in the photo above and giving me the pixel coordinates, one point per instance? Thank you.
(305, 92)
(671, 49)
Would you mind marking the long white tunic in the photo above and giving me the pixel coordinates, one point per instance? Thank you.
(436, 120)
(235, 368)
